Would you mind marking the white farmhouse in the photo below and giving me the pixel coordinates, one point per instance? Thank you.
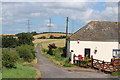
(98, 38)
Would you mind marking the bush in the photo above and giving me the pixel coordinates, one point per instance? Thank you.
(52, 49)
(43, 37)
(25, 38)
(9, 42)
(60, 37)
(64, 52)
(9, 58)
(26, 52)
(86, 61)
(34, 33)
(51, 37)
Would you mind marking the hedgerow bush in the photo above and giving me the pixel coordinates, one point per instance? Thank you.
(43, 37)
(52, 49)
(26, 52)
(9, 58)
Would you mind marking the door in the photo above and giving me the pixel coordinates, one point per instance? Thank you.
(87, 52)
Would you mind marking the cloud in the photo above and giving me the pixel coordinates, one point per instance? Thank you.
(59, 0)
(36, 14)
(109, 14)
(111, 0)
(16, 13)
(50, 0)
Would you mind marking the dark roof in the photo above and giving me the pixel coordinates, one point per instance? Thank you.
(98, 31)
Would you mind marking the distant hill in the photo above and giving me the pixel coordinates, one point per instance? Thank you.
(47, 35)
(98, 31)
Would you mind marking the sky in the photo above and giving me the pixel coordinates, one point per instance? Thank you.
(15, 15)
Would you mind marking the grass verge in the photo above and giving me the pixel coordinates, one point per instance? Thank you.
(116, 73)
(0, 76)
(19, 72)
(57, 59)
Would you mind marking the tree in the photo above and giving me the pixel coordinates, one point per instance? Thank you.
(26, 52)
(25, 38)
(51, 37)
(43, 37)
(34, 33)
(9, 42)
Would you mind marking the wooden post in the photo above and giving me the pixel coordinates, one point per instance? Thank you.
(114, 68)
(92, 61)
(103, 65)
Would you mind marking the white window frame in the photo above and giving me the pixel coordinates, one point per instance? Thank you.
(116, 52)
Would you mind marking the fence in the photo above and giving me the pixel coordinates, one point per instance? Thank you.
(100, 65)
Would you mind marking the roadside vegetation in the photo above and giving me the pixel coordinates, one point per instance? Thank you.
(19, 72)
(116, 73)
(18, 56)
(54, 51)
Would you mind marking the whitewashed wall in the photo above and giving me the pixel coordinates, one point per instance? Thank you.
(104, 49)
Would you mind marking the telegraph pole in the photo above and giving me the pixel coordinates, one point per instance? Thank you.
(66, 28)
(66, 54)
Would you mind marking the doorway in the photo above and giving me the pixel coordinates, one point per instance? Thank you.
(87, 52)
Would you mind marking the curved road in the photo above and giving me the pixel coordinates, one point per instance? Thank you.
(50, 70)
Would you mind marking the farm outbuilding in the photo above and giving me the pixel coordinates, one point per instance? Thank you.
(99, 39)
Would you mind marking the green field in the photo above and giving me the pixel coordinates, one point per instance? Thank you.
(19, 72)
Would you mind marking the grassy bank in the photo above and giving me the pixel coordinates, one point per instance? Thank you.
(57, 59)
(64, 62)
(22, 70)
(19, 72)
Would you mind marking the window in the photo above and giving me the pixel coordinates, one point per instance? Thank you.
(116, 53)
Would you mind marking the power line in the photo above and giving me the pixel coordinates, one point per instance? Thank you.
(50, 25)
(73, 25)
(28, 25)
